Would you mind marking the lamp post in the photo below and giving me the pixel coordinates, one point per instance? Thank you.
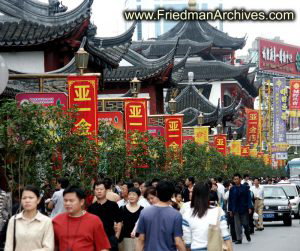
(82, 60)
(244, 141)
(234, 135)
(172, 105)
(219, 129)
(200, 119)
(135, 87)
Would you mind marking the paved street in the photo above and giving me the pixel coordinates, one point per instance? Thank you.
(275, 237)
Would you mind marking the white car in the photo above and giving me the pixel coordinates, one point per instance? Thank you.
(293, 192)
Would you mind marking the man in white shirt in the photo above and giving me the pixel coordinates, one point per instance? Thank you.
(258, 192)
(124, 193)
(57, 201)
(247, 179)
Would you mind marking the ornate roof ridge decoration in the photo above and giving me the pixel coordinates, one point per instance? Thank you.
(137, 59)
(202, 31)
(37, 12)
(178, 69)
(127, 73)
(157, 48)
(116, 40)
(107, 51)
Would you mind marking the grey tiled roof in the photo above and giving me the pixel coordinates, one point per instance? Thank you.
(202, 31)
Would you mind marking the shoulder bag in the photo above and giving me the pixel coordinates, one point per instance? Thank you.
(215, 240)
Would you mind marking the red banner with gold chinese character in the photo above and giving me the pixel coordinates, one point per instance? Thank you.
(83, 91)
(294, 97)
(252, 126)
(136, 119)
(245, 151)
(173, 131)
(220, 143)
(260, 155)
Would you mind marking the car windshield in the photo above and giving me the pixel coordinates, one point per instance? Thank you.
(274, 193)
(290, 190)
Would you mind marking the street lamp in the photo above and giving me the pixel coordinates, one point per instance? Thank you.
(244, 141)
(200, 119)
(219, 129)
(135, 87)
(234, 135)
(172, 105)
(82, 60)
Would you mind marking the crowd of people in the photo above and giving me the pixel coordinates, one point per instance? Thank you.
(134, 215)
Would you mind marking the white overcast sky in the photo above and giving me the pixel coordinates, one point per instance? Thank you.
(107, 15)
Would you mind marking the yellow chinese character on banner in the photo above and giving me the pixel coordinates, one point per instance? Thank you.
(220, 142)
(135, 111)
(173, 126)
(252, 130)
(253, 116)
(84, 127)
(82, 93)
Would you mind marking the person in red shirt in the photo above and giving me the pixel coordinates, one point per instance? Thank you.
(78, 230)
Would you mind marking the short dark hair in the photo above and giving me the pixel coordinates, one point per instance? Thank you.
(75, 189)
(165, 190)
(226, 183)
(150, 191)
(129, 184)
(138, 181)
(64, 182)
(135, 190)
(191, 179)
(237, 175)
(246, 175)
(108, 182)
(33, 189)
(220, 179)
(101, 182)
(256, 178)
(154, 180)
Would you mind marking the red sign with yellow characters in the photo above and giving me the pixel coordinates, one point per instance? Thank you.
(245, 151)
(252, 126)
(173, 127)
(83, 91)
(220, 143)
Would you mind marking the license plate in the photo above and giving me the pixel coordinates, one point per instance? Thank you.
(268, 216)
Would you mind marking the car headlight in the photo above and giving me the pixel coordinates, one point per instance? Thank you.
(283, 207)
(294, 204)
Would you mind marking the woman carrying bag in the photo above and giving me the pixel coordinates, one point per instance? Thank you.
(205, 227)
(30, 230)
(130, 215)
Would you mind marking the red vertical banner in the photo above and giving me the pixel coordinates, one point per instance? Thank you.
(136, 119)
(260, 155)
(173, 131)
(220, 143)
(83, 91)
(245, 151)
(252, 127)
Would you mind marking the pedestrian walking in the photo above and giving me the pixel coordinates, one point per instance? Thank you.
(143, 200)
(230, 220)
(124, 193)
(108, 212)
(4, 215)
(78, 230)
(160, 226)
(239, 207)
(130, 215)
(151, 195)
(187, 191)
(198, 218)
(29, 230)
(110, 194)
(258, 192)
(56, 203)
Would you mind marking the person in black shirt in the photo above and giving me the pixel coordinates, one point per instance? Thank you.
(130, 215)
(108, 212)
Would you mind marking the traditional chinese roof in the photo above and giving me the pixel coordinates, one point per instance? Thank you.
(191, 102)
(157, 48)
(216, 70)
(142, 67)
(203, 32)
(28, 23)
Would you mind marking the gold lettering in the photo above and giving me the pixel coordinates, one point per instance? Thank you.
(220, 142)
(135, 111)
(82, 93)
(173, 126)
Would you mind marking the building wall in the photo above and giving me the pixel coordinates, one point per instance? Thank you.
(215, 93)
(27, 61)
(148, 29)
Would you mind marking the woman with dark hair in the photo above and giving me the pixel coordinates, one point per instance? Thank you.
(30, 229)
(130, 215)
(198, 217)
